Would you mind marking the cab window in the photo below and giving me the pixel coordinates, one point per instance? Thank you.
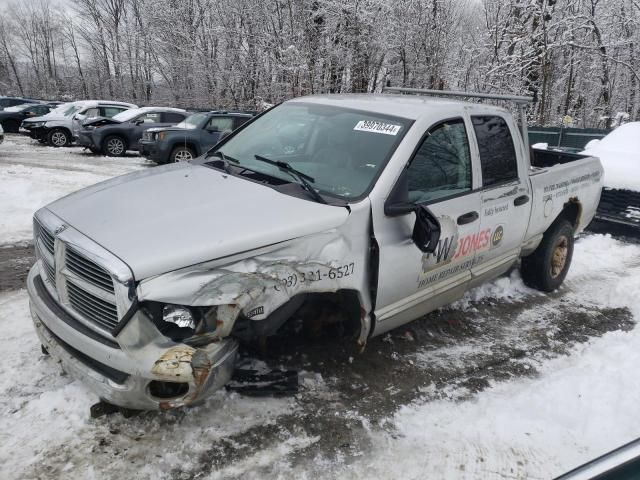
(442, 165)
(497, 152)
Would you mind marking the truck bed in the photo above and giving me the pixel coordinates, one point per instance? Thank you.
(549, 158)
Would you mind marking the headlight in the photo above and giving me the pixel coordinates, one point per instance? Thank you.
(36, 124)
(181, 316)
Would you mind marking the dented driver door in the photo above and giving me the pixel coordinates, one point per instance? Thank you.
(441, 176)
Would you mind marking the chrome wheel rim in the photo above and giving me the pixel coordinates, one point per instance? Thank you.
(559, 256)
(182, 155)
(59, 139)
(115, 147)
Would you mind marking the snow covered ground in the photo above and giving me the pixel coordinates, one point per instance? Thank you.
(578, 406)
(32, 175)
(506, 383)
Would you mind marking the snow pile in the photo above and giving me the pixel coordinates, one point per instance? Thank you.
(581, 406)
(23, 190)
(619, 153)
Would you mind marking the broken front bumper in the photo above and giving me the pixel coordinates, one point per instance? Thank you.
(129, 371)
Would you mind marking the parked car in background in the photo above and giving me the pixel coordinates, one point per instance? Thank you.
(13, 101)
(12, 117)
(619, 153)
(56, 127)
(190, 138)
(114, 136)
(97, 109)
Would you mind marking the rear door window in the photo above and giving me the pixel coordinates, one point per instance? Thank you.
(111, 111)
(220, 124)
(240, 121)
(497, 151)
(149, 117)
(172, 117)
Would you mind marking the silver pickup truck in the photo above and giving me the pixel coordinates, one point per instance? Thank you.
(384, 207)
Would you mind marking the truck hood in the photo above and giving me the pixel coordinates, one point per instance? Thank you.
(166, 218)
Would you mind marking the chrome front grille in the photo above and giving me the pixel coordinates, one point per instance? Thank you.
(44, 245)
(85, 287)
(91, 307)
(45, 237)
(51, 272)
(88, 270)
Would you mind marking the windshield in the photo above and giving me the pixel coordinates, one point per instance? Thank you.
(342, 150)
(192, 121)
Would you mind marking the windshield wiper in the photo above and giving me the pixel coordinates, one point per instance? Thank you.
(225, 160)
(303, 178)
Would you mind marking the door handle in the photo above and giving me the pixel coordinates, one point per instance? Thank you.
(468, 218)
(521, 200)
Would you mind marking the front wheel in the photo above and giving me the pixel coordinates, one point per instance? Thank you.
(182, 154)
(114, 147)
(58, 138)
(546, 268)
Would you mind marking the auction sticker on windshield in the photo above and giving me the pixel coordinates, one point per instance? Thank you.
(377, 127)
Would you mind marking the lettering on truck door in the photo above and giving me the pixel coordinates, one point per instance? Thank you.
(410, 282)
(506, 196)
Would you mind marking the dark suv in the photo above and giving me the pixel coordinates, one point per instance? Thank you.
(190, 138)
(13, 101)
(12, 117)
(114, 136)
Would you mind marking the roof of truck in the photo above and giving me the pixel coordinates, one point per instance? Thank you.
(405, 106)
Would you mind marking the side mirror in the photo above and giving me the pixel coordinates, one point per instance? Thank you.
(139, 121)
(30, 114)
(426, 231)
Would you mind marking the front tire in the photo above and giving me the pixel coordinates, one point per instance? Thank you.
(114, 146)
(546, 268)
(59, 137)
(182, 154)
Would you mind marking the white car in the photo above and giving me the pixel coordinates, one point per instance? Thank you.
(56, 128)
(619, 153)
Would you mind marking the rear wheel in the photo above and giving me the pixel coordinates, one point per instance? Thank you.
(114, 146)
(546, 268)
(182, 154)
(58, 137)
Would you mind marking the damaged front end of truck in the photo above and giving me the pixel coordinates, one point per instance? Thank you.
(179, 332)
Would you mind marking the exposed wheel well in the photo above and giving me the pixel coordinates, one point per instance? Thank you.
(572, 212)
(314, 313)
